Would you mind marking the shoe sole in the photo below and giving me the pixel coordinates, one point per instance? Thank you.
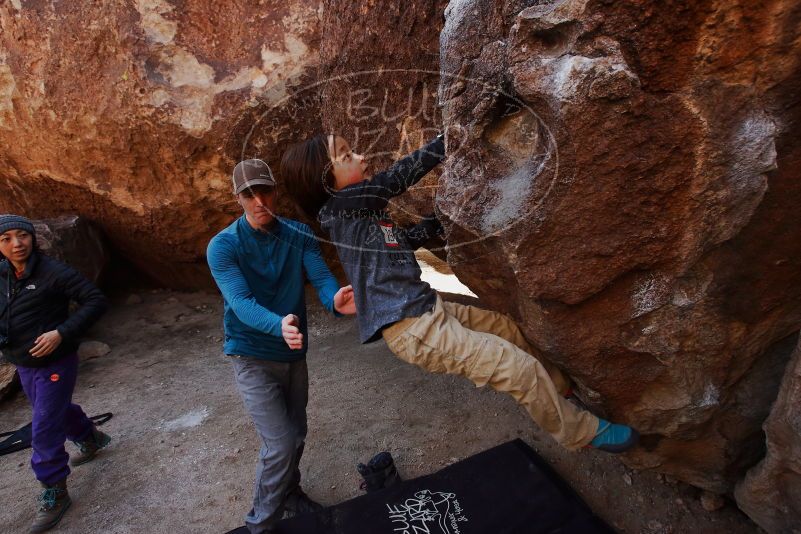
(53, 523)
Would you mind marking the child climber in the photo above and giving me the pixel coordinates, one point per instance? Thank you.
(327, 180)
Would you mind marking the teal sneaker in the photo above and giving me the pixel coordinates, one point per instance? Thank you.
(614, 438)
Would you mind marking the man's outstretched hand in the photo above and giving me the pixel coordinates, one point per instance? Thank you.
(344, 302)
(290, 328)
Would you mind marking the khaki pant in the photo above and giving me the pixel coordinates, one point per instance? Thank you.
(488, 348)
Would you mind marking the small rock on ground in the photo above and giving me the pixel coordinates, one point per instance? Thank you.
(92, 349)
(711, 502)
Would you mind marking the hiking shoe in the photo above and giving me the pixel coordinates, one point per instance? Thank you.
(89, 448)
(297, 502)
(379, 473)
(53, 502)
(614, 438)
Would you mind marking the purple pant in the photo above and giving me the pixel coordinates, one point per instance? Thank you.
(55, 418)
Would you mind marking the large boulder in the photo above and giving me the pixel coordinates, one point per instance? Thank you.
(771, 492)
(132, 114)
(623, 177)
(75, 241)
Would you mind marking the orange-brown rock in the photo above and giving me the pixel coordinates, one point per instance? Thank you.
(623, 177)
(132, 114)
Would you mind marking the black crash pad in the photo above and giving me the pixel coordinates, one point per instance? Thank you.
(508, 489)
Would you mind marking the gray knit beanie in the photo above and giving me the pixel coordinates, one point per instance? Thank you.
(16, 222)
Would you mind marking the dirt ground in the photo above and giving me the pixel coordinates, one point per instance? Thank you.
(183, 452)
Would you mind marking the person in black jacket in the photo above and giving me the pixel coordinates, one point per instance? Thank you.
(40, 337)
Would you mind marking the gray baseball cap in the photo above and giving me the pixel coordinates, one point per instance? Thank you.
(251, 172)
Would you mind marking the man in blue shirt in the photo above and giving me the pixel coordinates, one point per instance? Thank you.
(258, 262)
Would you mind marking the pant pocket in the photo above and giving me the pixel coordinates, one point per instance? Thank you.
(412, 350)
(481, 363)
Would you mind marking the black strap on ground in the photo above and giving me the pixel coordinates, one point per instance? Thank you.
(506, 490)
(20, 439)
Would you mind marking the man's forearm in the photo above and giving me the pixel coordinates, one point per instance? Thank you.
(257, 317)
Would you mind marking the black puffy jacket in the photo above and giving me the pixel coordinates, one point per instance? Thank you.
(39, 302)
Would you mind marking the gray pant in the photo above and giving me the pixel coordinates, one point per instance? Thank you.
(275, 396)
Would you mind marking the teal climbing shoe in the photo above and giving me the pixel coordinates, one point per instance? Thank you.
(614, 438)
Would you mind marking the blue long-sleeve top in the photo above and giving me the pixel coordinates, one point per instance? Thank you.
(261, 278)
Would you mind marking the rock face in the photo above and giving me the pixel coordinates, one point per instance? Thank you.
(74, 241)
(133, 113)
(623, 177)
(771, 492)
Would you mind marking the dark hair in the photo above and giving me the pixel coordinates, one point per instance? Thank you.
(307, 175)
